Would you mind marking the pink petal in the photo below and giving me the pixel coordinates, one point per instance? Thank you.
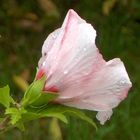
(53, 44)
(72, 20)
(108, 87)
(82, 53)
(75, 68)
(78, 50)
(103, 116)
(48, 43)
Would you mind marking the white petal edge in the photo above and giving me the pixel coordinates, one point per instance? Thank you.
(103, 116)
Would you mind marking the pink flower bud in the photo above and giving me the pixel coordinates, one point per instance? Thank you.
(78, 72)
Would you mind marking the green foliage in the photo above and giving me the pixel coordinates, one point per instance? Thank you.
(44, 98)
(58, 111)
(33, 92)
(36, 104)
(5, 98)
(20, 125)
(67, 110)
(15, 114)
(35, 96)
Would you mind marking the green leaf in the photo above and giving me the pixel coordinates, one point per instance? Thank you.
(16, 114)
(5, 98)
(81, 115)
(32, 115)
(70, 111)
(44, 99)
(59, 116)
(28, 116)
(34, 91)
(49, 110)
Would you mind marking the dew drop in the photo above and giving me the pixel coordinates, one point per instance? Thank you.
(65, 72)
(43, 64)
(85, 49)
(122, 82)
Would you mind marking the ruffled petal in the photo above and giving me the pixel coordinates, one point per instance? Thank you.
(103, 116)
(108, 87)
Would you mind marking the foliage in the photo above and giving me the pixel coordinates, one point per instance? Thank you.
(34, 105)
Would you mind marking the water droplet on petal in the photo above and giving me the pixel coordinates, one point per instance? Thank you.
(44, 63)
(123, 82)
(65, 72)
(85, 49)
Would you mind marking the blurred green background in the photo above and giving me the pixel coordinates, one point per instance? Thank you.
(25, 24)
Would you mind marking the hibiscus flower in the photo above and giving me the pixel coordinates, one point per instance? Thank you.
(77, 71)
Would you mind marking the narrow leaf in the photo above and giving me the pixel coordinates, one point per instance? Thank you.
(5, 98)
(60, 109)
(28, 116)
(59, 116)
(32, 115)
(70, 111)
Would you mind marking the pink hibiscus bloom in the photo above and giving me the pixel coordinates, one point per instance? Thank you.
(77, 71)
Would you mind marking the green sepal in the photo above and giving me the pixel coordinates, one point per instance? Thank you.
(33, 92)
(44, 99)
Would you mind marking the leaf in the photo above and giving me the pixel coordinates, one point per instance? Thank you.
(44, 99)
(54, 110)
(32, 115)
(34, 91)
(16, 114)
(71, 111)
(5, 98)
(81, 115)
(59, 116)
(28, 116)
